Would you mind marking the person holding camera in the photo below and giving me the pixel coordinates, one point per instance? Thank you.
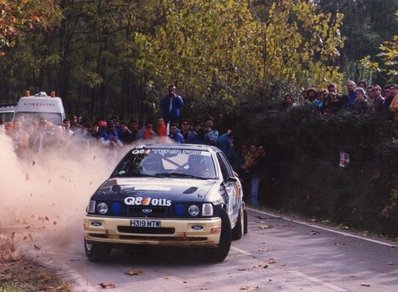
(171, 105)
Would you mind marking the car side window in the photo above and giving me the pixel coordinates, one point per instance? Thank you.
(225, 169)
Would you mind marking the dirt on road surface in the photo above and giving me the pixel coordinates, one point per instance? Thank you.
(20, 273)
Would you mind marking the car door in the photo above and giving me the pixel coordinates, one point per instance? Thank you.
(231, 186)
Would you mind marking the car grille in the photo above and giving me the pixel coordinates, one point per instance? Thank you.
(139, 211)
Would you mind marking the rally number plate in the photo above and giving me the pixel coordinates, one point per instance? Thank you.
(145, 223)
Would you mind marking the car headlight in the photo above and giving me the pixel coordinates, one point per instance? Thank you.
(91, 207)
(207, 209)
(193, 210)
(102, 208)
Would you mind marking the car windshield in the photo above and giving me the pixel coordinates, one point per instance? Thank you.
(160, 162)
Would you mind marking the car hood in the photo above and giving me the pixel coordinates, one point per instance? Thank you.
(170, 188)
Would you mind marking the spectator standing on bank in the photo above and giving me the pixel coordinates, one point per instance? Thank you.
(175, 134)
(377, 99)
(248, 162)
(360, 103)
(211, 135)
(390, 92)
(197, 135)
(126, 136)
(333, 101)
(351, 95)
(394, 103)
(147, 131)
(185, 129)
(109, 138)
(67, 128)
(42, 138)
(257, 171)
(134, 128)
(171, 105)
(161, 128)
(20, 139)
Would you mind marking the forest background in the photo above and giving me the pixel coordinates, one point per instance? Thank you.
(234, 60)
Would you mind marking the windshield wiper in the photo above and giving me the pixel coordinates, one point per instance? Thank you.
(178, 174)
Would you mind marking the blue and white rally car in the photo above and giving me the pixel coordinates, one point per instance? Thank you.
(179, 195)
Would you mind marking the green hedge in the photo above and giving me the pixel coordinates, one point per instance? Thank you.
(303, 173)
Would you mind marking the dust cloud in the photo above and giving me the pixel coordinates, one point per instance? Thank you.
(43, 198)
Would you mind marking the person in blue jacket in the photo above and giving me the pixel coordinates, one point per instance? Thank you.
(171, 105)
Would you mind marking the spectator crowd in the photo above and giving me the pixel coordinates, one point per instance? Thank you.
(250, 161)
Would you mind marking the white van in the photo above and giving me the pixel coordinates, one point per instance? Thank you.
(7, 112)
(40, 106)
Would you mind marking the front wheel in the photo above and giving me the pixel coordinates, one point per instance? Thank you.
(238, 230)
(96, 252)
(219, 253)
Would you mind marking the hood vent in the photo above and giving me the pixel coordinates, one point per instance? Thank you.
(190, 190)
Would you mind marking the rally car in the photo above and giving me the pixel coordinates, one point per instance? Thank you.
(167, 195)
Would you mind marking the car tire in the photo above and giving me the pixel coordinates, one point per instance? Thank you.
(238, 230)
(219, 253)
(97, 252)
(246, 222)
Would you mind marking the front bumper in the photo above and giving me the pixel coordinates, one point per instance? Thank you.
(176, 232)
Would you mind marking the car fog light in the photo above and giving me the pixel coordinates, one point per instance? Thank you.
(116, 208)
(207, 209)
(102, 208)
(193, 210)
(180, 209)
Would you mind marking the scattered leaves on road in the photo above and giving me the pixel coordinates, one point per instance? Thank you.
(263, 249)
(339, 243)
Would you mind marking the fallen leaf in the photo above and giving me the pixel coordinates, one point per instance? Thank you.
(365, 284)
(250, 288)
(134, 272)
(339, 243)
(263, 249)
(27, 227)
(27, 176)
(271, 261)
(46, 218)
(390, 264)
(313, 232)
(265, 226)
(260, 266)
(242, 269)
(107, 286)
(33, 162)
(36, 247)
(185, 282)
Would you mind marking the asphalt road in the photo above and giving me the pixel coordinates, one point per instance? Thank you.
(278, 254)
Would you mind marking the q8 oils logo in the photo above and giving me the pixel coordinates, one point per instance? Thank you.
(140, 201)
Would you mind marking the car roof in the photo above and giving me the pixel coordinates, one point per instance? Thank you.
(181, 146)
